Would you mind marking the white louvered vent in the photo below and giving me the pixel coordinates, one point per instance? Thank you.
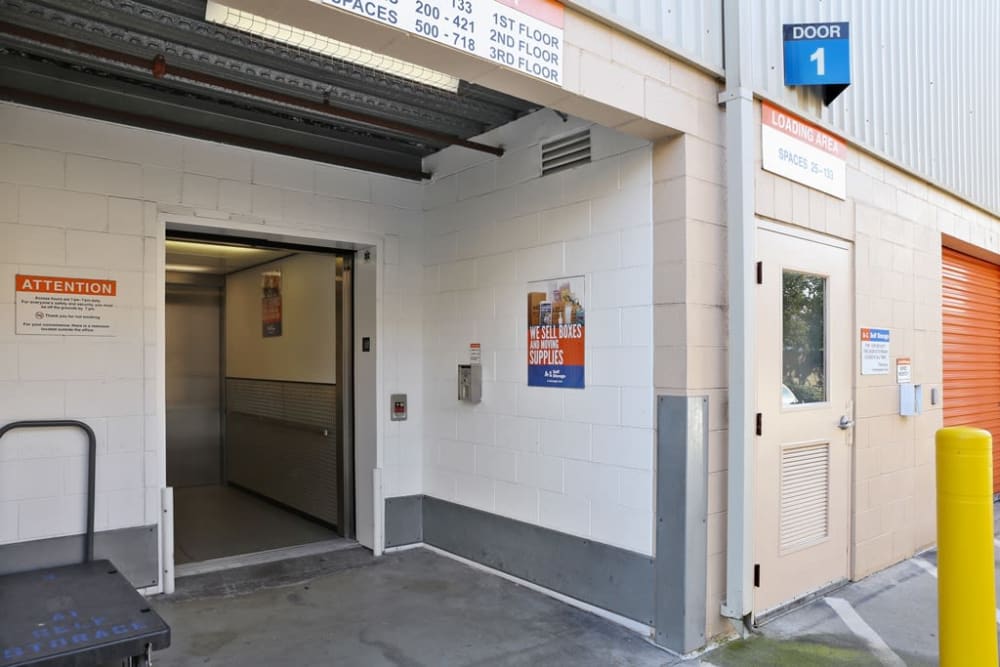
(566, 152)
(805, 495)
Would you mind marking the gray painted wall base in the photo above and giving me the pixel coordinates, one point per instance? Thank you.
(599, 574)
(667, 593)
(682, 521)
(132, 550)
(404, 520)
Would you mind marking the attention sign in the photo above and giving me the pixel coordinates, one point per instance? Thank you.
(556, 333)
(64, 306)
(801, 151)
(525, 35)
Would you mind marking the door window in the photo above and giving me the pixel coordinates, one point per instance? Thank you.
(803, 307)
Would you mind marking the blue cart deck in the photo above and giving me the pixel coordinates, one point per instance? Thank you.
(82, 614)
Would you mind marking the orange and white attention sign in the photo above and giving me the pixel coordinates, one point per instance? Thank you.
(65, 306)
(801, 151)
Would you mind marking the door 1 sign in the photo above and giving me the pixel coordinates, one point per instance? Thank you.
(818, 54)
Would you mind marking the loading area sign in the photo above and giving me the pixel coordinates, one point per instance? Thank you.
(65, 306)
(802, 151)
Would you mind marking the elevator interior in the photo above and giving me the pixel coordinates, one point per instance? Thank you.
(257, 353)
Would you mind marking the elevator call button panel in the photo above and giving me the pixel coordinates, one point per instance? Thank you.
(398, 407)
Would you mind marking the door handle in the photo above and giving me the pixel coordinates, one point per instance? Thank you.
(845, 423)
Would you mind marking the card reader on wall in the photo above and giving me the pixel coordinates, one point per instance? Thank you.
(470, 383)
(911, 399)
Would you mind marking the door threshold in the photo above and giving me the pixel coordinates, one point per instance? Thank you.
(797, 603)
(262, 557)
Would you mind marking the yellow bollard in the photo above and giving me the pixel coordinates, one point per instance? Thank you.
(967, 627)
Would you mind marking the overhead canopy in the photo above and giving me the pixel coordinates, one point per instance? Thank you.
(159, 64)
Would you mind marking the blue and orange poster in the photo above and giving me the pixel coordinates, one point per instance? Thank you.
(556, 333)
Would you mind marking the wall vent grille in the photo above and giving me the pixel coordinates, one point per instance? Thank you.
(566, 152)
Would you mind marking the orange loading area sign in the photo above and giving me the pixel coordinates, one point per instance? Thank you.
(65, 306)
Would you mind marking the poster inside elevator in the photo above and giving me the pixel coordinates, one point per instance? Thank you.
(555, 333)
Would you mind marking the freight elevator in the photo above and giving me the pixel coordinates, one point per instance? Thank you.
(257, 361)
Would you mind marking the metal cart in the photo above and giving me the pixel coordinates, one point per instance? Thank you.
(84, 614)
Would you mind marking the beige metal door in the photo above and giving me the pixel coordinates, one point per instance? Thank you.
(804, 371)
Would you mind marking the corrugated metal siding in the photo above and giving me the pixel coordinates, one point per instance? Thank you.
(691, 28)
(971, 318)
(926, 89)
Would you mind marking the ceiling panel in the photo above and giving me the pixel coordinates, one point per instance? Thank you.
(160, 65)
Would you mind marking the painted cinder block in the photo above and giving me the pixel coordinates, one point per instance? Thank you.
(217, 160)
(496, 463)
(540, 471)
(623, 446)
(565, 439)
(565, 513)
(103, 251)
(98, 175)
(474, 491)
(47, 207)
(25, 165)
(24, 244)
(48, 517)
(514, 500)
(200, 191)
(622, 526)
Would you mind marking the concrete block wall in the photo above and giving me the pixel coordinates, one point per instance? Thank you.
(690, 314)
(897, 224)
(577, 461)
(82, 197)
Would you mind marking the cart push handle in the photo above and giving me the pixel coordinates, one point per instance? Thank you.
(88, 540)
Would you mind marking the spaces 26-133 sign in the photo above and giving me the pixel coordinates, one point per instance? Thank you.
(817, 54)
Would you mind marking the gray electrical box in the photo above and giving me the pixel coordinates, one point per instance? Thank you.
(470, 383)
(911, 399)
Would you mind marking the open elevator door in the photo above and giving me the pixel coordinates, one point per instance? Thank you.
(285, 433)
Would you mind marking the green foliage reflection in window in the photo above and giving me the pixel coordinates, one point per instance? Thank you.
(803, 307)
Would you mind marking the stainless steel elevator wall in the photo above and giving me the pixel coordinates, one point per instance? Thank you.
(281, 442)
(193, 385)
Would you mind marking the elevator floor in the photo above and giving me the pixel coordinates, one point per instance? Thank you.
(218, 521)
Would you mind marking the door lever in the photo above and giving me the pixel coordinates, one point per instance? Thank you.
(845, 423)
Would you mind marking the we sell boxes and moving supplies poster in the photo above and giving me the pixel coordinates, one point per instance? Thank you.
(556, 333)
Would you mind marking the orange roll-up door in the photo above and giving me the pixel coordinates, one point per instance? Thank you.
(971, 318)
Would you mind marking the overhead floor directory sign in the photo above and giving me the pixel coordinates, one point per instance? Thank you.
(525, 35)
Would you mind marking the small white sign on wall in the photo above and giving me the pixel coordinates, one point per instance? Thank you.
(904, 374)
(65, 306)
(874, 351)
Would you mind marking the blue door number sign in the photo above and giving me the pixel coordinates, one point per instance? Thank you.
(817, 54)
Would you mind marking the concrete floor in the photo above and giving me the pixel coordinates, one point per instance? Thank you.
(416, 608)
(218, 521)
(407, 609)
(899, 604)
